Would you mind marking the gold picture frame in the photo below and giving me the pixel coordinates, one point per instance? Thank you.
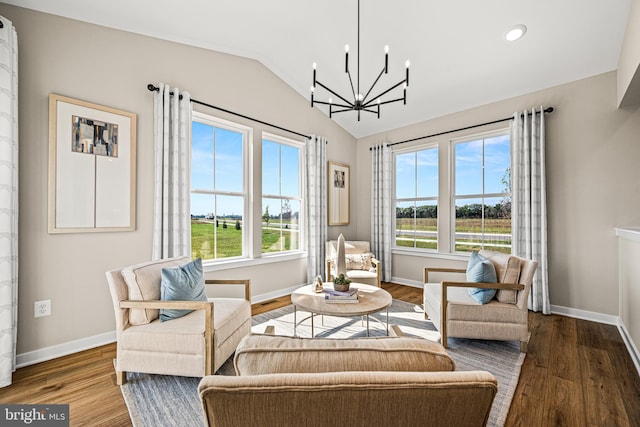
(92, 167)
(338, 184)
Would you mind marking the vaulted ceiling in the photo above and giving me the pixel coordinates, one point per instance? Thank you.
(459, 56)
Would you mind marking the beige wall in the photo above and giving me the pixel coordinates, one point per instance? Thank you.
(113, 68)
(629, 62)
(593, 185)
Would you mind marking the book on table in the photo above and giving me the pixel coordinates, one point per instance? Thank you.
(332, 296)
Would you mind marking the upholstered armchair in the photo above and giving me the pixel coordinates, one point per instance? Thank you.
(505, 317)
(361, 265)
(193, 345)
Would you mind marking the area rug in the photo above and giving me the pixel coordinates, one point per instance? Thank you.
(161, 400)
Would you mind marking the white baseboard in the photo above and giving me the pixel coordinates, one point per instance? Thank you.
(274, 294)
(407, 282)
(59, 350)
(585, 315)
(631, 347)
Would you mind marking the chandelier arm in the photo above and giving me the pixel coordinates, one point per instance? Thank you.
(392, 101)
(372, 86)
(329, 90)
(343, 110)
(351, 109)
(384, 93)
(334, 104)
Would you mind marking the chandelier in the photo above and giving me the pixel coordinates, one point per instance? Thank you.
(359, 101)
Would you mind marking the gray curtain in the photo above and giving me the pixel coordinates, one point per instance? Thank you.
(315, 199)
(172, 140)
(381, 208)
(8, 200)
(529, 211)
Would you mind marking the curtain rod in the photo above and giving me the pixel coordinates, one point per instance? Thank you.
(153, 88)
(546, 110)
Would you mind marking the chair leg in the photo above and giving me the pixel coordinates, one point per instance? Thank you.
(524, 344)
(121, 376)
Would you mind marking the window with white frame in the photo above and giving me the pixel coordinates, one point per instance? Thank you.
(416, 199)
(219, 195)
(281, 194)
(475, 198)
(482, 195)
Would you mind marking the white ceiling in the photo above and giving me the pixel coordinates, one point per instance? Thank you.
(459, 58)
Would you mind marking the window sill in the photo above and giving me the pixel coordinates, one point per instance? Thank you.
(430, 254)
(249, 262)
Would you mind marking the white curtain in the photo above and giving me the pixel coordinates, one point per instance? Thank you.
(8, 199)
(316, 205)
(381, 208)
(529, 211)
(172, 140)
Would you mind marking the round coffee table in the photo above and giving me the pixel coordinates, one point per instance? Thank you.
(371, 300)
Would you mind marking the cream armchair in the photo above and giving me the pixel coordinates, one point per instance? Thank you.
(455, 314)
(193, 345)
(361, 265)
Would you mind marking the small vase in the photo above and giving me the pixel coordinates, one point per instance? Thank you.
(342, 287)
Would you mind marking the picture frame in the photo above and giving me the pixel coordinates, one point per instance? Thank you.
(92, 167)
(338, 185)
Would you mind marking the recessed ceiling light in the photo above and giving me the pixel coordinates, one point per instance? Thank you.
(516, 32)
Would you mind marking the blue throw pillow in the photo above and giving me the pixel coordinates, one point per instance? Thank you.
(183, 283)
(481, 269)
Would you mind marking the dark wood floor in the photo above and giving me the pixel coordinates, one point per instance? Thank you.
(576, 373)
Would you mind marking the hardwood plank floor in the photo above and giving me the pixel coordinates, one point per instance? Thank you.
(576, 373)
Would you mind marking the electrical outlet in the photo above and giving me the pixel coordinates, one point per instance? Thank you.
(42, 308)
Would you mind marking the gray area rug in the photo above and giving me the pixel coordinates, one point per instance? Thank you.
(161, 400)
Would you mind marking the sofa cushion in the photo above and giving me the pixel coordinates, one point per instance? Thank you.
(143, 284)
(359, 261)
(266, 354)
(507, 271)
(182, 283)
(481, 269)
(185, 335)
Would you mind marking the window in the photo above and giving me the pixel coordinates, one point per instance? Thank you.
(482, 196)
(454, 196)
(281, 194)
(218, 189)
(416, 199)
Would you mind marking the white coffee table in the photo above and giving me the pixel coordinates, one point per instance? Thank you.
(371, 300)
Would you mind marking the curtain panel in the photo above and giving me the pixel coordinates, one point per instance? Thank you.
(8, 200)
(529, 211)
(172, 138)
(381, 208)
(316, 205)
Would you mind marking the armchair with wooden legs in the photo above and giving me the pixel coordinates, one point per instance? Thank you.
(193, 345)
(455, 314)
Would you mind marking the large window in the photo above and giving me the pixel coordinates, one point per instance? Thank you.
(416, 199)
(482, 196)
(218, 189)
(454, 196)
(281, 194)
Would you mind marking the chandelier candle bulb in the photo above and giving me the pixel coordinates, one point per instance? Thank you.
(407, 78)
(386, 62)
(346, 58)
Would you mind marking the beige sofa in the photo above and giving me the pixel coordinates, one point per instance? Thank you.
(503, 318)
(194, 345)
(284, 381)
(362, 265)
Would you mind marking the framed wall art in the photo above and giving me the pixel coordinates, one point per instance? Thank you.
(92, 167)
(338, 198)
